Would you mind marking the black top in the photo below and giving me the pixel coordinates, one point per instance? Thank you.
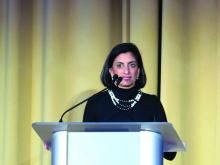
(100, 108)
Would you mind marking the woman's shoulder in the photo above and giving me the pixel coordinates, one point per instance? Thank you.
(151, 98)
(98, 96)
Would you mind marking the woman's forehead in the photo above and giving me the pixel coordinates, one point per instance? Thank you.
(125, 57)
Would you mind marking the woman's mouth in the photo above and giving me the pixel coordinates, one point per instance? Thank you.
(126, 78)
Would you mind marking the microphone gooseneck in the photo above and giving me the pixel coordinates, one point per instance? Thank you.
(115, 79)
(71, 108)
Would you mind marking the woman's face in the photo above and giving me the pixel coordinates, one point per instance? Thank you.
(125, 66)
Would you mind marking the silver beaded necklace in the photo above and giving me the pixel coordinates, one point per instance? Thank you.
(124, 104)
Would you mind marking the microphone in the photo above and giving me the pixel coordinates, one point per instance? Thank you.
(115, 79)
(118, 81)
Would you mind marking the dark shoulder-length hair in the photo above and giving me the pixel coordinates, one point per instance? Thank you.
(118, 49)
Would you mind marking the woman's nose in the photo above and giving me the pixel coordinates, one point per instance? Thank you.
(126, 70)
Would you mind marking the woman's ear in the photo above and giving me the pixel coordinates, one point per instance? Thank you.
(111, 72)
(138, 74)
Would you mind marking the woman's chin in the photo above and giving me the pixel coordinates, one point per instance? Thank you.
(126, 86)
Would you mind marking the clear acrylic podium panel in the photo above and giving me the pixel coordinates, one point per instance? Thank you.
(109, 143)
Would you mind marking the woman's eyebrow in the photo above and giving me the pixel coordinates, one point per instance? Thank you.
(132, 62)
(119, 62)
(128, 62)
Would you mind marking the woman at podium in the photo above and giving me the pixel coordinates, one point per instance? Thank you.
(124, 76)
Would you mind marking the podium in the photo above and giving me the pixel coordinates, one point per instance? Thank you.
(132, 143)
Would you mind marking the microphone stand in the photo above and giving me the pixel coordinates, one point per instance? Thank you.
(116, 80)
(61, 118)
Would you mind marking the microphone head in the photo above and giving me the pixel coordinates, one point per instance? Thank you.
(114, 78)
(118, 81)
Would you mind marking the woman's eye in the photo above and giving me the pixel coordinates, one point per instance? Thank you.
(119, 65)
(133, 65)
